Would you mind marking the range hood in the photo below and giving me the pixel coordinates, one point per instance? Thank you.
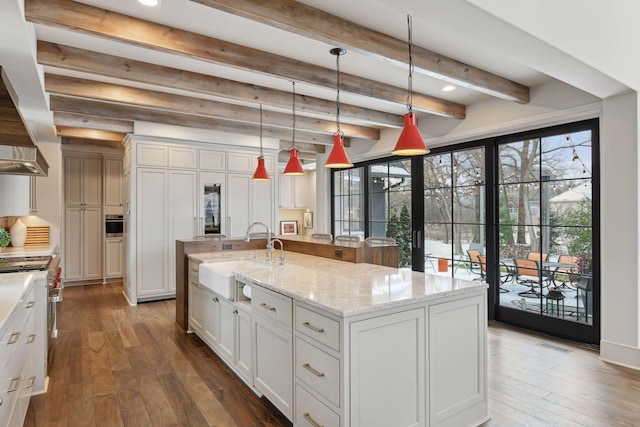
(18, 153)
(22, 160)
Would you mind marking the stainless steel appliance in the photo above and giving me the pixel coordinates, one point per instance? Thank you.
(114, 225)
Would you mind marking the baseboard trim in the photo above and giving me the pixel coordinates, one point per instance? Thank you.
(620, 354)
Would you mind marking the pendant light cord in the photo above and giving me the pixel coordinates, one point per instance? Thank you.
(293, 137)
(338, 93)
(261, 155)
(410, 82)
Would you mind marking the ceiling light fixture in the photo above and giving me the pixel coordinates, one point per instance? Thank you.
(410, 142)
(150, 3)
(261, 173)
(448, 88)
(294, 167)
(338, 156)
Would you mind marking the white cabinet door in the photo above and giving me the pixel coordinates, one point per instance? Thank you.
(151, 232)
(263, 203)
(196, 307)
(211, 319)
(212, 205)
(92, 225)
(300, 191)
(244, 348)
(388, 386)
(73, 244)
(73, 181)
(114, 266)
(113, 188)
(182, 201)
(92, 182)
(238, 204)
(83, 243)
(273, 374)
(286, 192)
(227, 342)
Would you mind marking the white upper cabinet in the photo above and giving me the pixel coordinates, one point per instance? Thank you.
(293, 192)
(82, 181)
(212, 160)
(240, 162)
(113, 186)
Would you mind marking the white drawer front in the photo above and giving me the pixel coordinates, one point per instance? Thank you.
(319, 370)
(318, 327)
(310, 410)
(271, 305)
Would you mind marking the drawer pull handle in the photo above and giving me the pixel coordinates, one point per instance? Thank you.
(268, 307)
(313, 371)
(313, 328)
(30, 304)
(14, 384)
(32, 381)
(14, 338)
(31, 338)
(311, 420)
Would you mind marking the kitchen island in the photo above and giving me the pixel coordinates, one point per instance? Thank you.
(345, 344)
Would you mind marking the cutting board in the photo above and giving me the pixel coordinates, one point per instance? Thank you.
(37, 235)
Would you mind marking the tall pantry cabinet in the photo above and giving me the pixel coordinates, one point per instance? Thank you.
(83, 217)
(177, 191)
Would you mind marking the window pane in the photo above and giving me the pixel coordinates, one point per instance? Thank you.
(519, 161)
(437, 206)
(469, 204)
(468, 167)
(437, 171)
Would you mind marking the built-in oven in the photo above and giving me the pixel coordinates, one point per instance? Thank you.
(114, 225)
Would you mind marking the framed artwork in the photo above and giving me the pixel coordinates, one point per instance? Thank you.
(307, 220)
(288, 227)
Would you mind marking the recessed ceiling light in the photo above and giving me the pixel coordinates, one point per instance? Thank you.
(448, 88)
(149, 2)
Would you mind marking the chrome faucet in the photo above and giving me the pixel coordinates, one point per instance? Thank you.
(247, 237)
(281, 250)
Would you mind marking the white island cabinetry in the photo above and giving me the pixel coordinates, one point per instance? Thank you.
(391, 348)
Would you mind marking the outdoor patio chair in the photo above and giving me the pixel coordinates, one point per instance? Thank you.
(326, 236)
(536, 256)
(504, 276)
(567, 272)
(347, 238)
(528, 273)
(476, 265)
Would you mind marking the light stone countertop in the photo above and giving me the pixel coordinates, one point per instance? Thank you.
(44, 250)
(340, 287)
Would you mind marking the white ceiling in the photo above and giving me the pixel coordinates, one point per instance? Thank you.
(451, 27)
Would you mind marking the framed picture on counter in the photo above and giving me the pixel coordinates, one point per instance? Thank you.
(308, 220)
(288, 227)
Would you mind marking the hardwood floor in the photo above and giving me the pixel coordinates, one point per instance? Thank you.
(116, 365)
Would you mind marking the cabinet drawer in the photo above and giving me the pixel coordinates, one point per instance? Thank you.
(271, 305)
(318, 327)
(310, 412)
(319, 370)
(193, 270)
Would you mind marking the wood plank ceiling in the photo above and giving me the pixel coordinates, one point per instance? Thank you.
(96, 97)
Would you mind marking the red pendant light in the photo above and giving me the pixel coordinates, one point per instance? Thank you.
(338, 157)
(410, 142)
(261, 173)
(294, 167)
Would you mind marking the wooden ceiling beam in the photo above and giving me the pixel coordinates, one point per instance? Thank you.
(127, 112)
(92, 142)
(303, 147)
(103, 135)
(95, 21)
(87, 61)
(307, 21)
(69, 86)
(92, 122)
